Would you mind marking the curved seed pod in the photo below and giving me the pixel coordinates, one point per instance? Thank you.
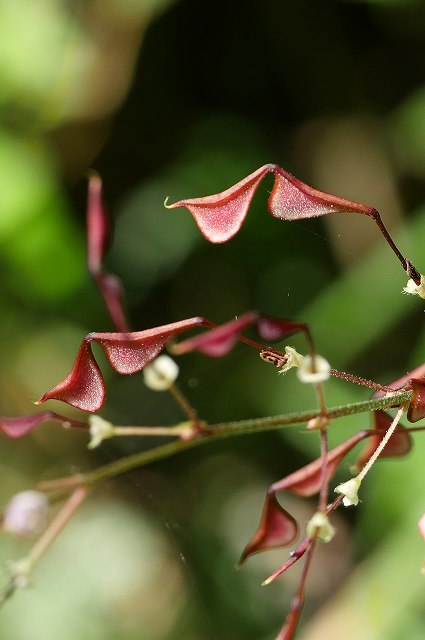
(292, 199)
(277, 528)
(19, 426)
(83, 387)
(219, 217)
(98, 233)
(219, 340)
(127, 353)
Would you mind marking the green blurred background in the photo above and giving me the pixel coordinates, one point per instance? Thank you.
(183, 99)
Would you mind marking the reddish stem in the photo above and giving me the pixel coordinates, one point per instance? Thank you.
(361, 381)
(298, 553)
(291, 623)
(409, 268)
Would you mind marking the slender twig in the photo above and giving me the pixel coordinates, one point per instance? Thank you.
(185, 406)
(409, 268)
(56, 526)
(297, 602)
(178, 430)
(21, 569)
(348, 377)
(321, 399)
(324, 483)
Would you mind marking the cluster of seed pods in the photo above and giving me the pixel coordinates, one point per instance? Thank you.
(219, 217)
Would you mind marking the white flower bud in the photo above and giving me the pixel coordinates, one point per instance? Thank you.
(100, 430)
(320, 526)
(161, 373)
(321, 422)
(349, 491)
(415, 289)
(26, 514)
(315, 369)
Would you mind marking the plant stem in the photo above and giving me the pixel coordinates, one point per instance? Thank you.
(177, 430)
(324, 484)
(409, 268)
(382, 444)
(56, 526)
(297, 602)
(215, 432)
(185, 406)
(361, 381)
(21, 569)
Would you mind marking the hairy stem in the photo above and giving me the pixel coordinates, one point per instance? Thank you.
(361, 381)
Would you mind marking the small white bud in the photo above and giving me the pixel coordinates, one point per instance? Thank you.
(321, 422)
(349, 491)
(415, 289)
(161, 373)
(294, 359)
(100, 430)
(315, 369)
(26, 514)
(320, 526)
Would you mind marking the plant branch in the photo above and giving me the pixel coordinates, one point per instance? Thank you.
(185, 406)
(62, 486)
(297, 602)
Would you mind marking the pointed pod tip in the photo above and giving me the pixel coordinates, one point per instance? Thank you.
(92, 174)
(90, 403)
(170, 206)
(41, 400)
(267, 581)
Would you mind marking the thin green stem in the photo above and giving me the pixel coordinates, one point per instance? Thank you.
(323, 496)
(255, 425)
(56, 526)
(62, 486)
(21, 569)
(175, 431)
(185, 406)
